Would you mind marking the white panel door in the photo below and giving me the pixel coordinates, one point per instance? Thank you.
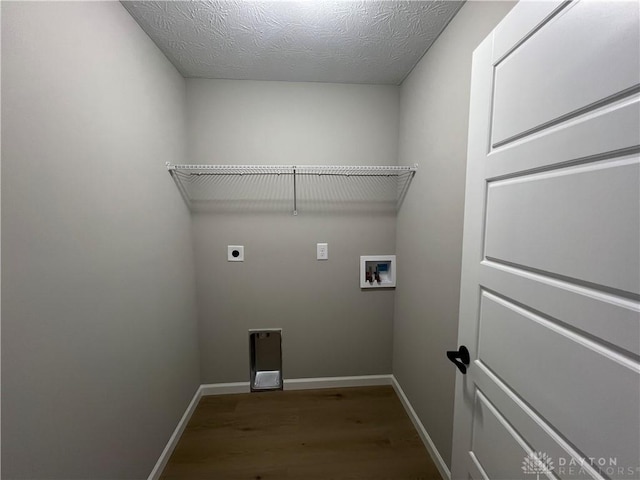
(550, 294)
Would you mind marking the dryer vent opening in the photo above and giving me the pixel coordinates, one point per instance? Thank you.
(265, 351)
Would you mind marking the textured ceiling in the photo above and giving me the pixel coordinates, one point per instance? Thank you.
(314, 40)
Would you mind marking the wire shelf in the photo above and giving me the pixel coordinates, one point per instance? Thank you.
(291, 187)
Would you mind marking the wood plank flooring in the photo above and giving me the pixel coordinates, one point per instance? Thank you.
(346, 433)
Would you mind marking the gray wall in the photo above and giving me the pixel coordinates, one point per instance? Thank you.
(330, 327)
(433, 132)
(99, 327)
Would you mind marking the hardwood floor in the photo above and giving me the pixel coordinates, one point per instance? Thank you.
(345, 433)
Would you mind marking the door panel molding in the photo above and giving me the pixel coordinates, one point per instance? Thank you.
(570, 44)
(530, 16)
(540, 435)
(608, 132)
(613, 319)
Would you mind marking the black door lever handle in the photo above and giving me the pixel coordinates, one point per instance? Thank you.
(460, 358)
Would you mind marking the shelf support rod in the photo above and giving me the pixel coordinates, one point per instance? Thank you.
(295, 198)
(405, 188)
(174, 175)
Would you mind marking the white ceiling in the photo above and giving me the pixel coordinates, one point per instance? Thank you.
(340, 41)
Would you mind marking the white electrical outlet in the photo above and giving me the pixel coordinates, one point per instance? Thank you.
(235, 253)
(322, 251)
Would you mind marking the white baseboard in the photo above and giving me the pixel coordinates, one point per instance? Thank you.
(224, 388)
(422, 432)
(336, 382)
(173, 440)
(302, 384)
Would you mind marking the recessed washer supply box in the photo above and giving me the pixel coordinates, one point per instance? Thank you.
(377, 271)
